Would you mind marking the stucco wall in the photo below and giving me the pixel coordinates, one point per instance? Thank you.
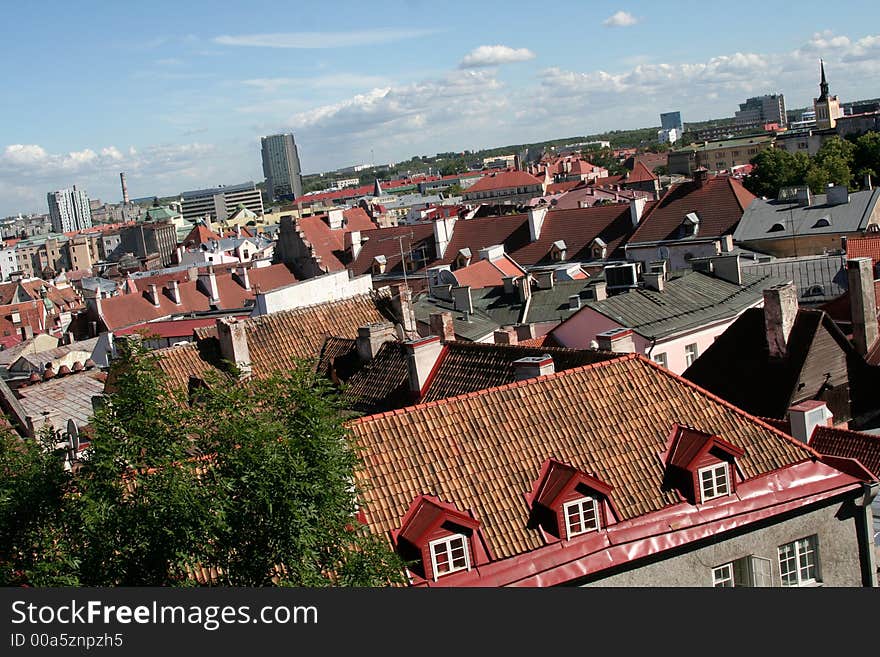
(837, 545)
(330, 287)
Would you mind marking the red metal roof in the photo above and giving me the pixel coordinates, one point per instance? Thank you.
(172, 328)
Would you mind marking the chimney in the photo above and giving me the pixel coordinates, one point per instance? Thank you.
(243, 277)
(401, 302)
(654, 281)
(532, 367)
(174, 292)
(443, 228)
(804, 197)
(334, 219)
(536, 221)
(208, 282)
(506, 336)
(806, 416)
(492, 253)
(619, 340)
(442, 325)
(726, 243)
(780, 311)
(524, 287)
(232, 336)
(421, 357)
(153, 295)
(636, 210)
(862, 303)
(701, 176)
(600, 291)
(371, 337)
(728, 268)
(837, 195)
(461, 299)
(524, 332)
(124, 187)
(353, 243)
(868, 185)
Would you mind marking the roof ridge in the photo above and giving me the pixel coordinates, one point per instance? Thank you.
(506, 386)
(752, 418)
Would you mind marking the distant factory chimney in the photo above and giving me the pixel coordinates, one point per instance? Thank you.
(124, 187)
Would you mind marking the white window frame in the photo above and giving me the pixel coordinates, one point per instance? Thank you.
(805, 556)
(750, 571)
(446, 542)
(661, 359)
(691, 357)
(582, 504)
(713, 482)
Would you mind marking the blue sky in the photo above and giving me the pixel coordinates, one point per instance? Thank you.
(177, 94)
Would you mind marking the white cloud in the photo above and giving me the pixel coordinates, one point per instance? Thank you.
(332, 81)
(495, 55)
(310, 40)
(620, 19)
(24, 154)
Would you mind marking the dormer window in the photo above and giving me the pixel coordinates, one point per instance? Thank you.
(558, 250)
(598, 249)
(824, 222)
(776, 228)
(690, 225)
(713, 481)
(449, 555)
(581, 516)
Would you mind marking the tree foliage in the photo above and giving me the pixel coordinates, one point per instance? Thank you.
(253, 482)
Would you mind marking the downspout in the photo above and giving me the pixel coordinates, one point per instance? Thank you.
(865, 533)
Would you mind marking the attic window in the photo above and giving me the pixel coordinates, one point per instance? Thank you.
(775, 228)
(691, 224)
(824, 222)
(449, 555)
(814, 291)
(558, 250)
(581, 516)
(714, 481)
(699, 465)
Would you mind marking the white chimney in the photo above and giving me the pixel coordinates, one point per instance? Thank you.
(536, 221)
(174, 292)
(208, 282)
(421, 357)
(862, 303)
(353, 242)
(806, 416)
(600, 291)
(443, 228)
(532, 367)
(492, 253)
(619, 340)
(780, 311)
(334, 219)
(637, 209)
(232, 336)
(243, 277)
(153, 294)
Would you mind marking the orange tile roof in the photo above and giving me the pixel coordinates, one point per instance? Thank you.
(503, 180)
(200, 234)
(483, 451)
(487, 273)
(865, 246)
(863, 447)
(640, 173)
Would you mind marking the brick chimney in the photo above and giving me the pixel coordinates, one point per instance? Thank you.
(207, 281)
(780, 311)
(371, 337)
(808, 415)
(421, 357)
(443, 326)
(532, 367)
(619, 340)
(401, 302)
(232, 336)
(174, 292)
(506, 336)
(701, 176)
(862, 303)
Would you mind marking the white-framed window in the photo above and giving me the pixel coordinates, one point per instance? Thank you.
(747, 571)
(714, 481)
(799, 562)
(661, 359)
(449, 555)
(691, 353)
(581, 516)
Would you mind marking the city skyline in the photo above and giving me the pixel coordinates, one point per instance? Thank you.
(177, 107)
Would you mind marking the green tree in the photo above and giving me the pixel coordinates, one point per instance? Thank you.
(776, 168)
(836, 158)
(866, 159)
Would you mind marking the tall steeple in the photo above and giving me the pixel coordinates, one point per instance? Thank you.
(823, 85)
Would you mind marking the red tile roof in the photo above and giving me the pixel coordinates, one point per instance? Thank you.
(483, 451)
(719, 203)
(172, 328)
(488, 274)
(503, 180)
(863, 447)
(329, 245)
(200, 234)
(640, 173)
(130, 309)
(865, 246)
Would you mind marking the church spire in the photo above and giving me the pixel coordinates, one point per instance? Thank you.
(823, 85)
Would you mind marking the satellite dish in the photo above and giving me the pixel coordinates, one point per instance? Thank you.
(73, 436)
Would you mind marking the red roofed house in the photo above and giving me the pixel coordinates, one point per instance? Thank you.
(490, 270)
(691, 220)
(505, 188)
(617, 473)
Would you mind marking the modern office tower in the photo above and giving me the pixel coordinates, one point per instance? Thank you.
(672, 121)
(218, 203)
(281, 167)
(69, 210)
(762, 109)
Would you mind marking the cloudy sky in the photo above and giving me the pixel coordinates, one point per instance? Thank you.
(177, 94)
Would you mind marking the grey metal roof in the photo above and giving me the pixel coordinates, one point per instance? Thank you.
(62, 399)
(796, 220)
(98, 283)
(818, 278)
(553, 305)
(476, 326)
(39, 359)
(686, 303)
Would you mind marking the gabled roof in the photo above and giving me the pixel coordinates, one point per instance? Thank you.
(719, 202)
(200, 234)
(483, 451)
(329, 244)
(688, 444)
(486, 273)
(639, 173)
(503, 180)
(688, 301)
